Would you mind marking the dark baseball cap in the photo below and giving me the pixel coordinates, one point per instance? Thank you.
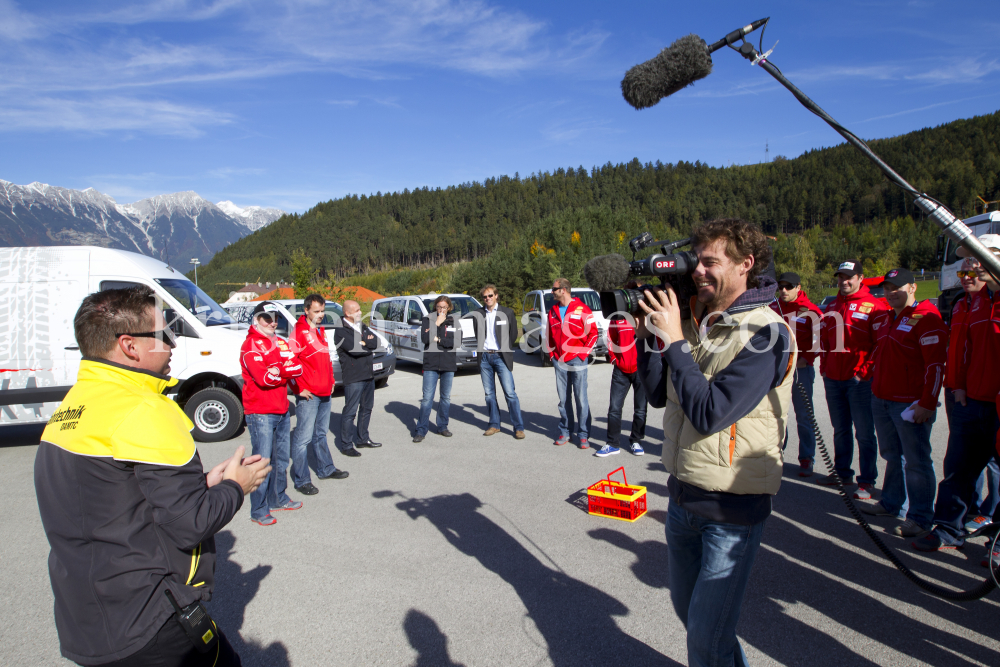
(789, 277)
(263, 307)
(850, 267)
(898, 277)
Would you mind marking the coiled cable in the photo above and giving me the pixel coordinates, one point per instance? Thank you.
(979, 592)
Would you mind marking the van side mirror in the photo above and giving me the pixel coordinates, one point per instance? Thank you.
(183, 328)
(415, 321)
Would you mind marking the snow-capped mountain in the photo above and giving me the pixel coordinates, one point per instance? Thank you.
(174, 227)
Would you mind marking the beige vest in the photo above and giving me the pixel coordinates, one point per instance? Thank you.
(746, 457)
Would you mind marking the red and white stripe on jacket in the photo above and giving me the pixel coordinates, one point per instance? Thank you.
(846, 344)
(267, 363)
(622, 346)
(804, 317)
(910, 353)
(574, 337)
(980, 363)
(313, 352)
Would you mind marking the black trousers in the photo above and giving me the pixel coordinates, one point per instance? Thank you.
(172, 648)
(356, 394)
(620, 384)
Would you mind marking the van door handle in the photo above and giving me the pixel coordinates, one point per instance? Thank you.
(74, 347)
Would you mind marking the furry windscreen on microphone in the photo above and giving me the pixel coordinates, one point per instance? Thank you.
(606, 272)
(686, 61)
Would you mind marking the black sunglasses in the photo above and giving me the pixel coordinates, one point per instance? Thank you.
(165, 336)
(266, 318)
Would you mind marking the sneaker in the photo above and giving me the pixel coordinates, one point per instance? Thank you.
(445, 432)
(290, 505)
(909, 528)
(519, 435)
(584, 444)
(805, 468)
(267, 520)
(561, 440)
(972, 525)
(936, 540)
(606, 450)
(418, 438)
(636, 448)
(864, 491)
(996, 559)
(337, 474)
(307, 489)
(876, 509)
(831, 480)
(491, 431)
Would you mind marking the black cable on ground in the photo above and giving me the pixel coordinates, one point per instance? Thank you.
(976, 593)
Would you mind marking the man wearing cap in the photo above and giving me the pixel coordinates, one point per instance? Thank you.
(356, 345)
(803, 316)
(908, 368)
(313, 390)
(845, 364)
(968, 424)
(982, 383)
(268, 364)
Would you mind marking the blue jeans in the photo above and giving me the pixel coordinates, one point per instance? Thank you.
(269, 437)
(309, 446)
(971, 425)
(489, 365)
(803, 424)
(710, 565)
(571, 380)
(620, 384)
(850, 404)
(357, 395)
(444, 404)
(909, 470)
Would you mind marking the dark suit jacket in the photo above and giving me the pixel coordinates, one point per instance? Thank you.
(355, 352)
(506, 332)
(440, 356)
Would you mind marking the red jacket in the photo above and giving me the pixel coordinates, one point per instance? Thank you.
(958, 348)
(268, 364)
(313, 351)
(842, 360)
(910, 353)
(622, 348)
(980, 364)
(806, 326)
(574, 338)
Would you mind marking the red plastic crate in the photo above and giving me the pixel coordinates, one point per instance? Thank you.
(616, 500)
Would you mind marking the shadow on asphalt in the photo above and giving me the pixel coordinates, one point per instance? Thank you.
(236, 589)
(576, 619)
(427, 640)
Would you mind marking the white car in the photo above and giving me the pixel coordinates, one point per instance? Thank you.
(398, 319)
(537, 304)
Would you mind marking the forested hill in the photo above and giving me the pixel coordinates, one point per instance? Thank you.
(823, 188)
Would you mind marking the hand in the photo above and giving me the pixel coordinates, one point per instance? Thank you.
(440, 319)
(800, 363)
(248, 474)
(960, 397)
(663, 315)
(305, 394)
(215, 475)
(921, 414)
(274, 370)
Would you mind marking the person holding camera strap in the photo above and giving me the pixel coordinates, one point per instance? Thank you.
(724, 378)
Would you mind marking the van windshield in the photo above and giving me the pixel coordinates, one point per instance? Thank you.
(197, 302)
(460, 305)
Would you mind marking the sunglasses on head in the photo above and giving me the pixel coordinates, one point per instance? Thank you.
(967, 274)
(165, 336)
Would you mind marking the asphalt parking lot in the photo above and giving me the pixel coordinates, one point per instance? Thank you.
(475, 551)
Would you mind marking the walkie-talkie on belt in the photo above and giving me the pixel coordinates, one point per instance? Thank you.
(197, 624)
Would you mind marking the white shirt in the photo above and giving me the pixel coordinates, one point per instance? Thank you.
(356, 326)
(491, 322)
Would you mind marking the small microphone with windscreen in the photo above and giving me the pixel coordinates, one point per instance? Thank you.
(606, 272)
(676, 67)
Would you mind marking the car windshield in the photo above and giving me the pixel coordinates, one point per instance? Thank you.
(197, 302)
(589, 297)
(877, 291)
(460, 305)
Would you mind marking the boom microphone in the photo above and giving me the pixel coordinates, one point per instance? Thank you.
(606, 272)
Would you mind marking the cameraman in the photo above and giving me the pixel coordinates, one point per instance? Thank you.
(730, 369)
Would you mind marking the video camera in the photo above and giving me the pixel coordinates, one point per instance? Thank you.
(607, 273)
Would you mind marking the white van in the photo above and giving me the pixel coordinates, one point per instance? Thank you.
(398, 319)
(537, 304)
(40, 291)
(383, 363)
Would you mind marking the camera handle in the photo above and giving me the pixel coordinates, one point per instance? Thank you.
(976, 593)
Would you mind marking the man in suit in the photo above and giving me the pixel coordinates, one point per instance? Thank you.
(356, 344)
(496, 331)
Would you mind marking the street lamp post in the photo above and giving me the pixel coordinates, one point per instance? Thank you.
(196, 263)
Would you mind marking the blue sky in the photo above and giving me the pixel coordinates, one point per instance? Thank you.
(290, 102)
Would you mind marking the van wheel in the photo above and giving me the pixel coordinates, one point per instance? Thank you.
(217, 414)
(381, 383)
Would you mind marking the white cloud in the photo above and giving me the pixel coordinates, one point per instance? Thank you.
(966, 70)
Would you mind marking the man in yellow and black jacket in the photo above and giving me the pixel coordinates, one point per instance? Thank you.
(128, 510)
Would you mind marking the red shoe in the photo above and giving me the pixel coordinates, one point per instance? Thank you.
(266, 521)
(864, 491)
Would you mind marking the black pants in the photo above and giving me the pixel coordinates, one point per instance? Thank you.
(356, 394)
(620, 383)
(172, 648)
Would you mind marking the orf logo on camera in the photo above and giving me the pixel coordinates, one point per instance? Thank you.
(665, 264)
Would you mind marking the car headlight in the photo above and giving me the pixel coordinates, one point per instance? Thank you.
(388, 348)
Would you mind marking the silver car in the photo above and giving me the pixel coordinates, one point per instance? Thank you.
(398, 319)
